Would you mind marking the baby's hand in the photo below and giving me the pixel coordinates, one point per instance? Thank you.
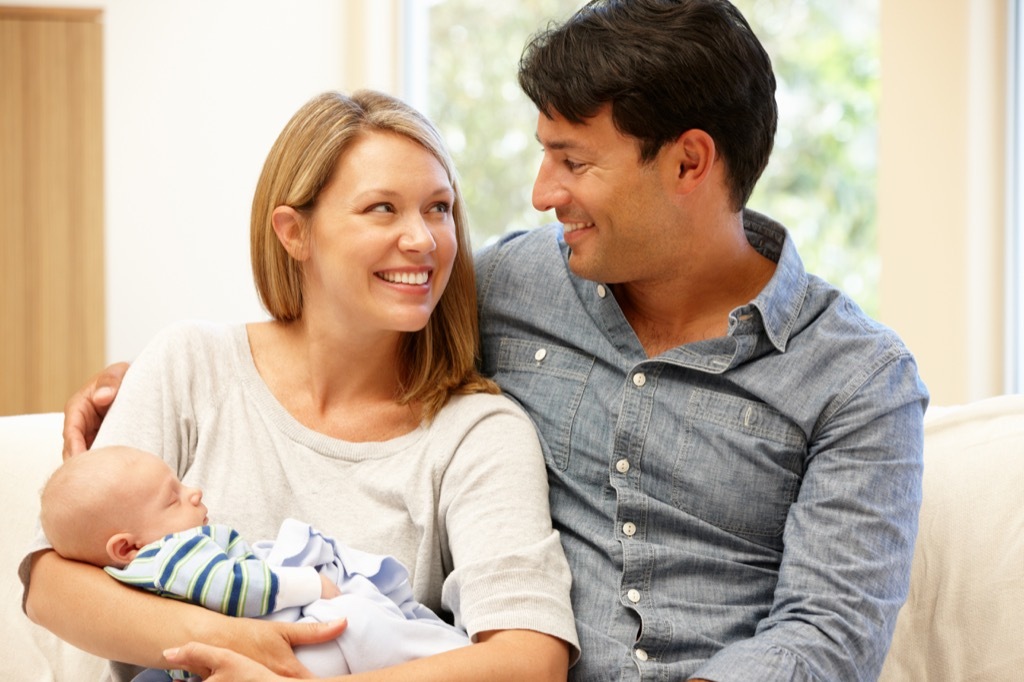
(328, 589)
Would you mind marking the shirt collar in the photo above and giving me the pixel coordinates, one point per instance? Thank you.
(780, 301)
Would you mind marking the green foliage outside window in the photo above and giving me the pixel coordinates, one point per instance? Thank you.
(820, 182)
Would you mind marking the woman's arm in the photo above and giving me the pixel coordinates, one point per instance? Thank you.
(497, 656)
(84, 606)
(511, 655)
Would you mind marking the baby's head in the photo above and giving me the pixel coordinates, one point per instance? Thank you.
(103, 505)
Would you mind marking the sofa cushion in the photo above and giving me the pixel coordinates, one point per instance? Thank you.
(965, 613)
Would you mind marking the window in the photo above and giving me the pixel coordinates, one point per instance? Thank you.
(461, 66)
(461, 71)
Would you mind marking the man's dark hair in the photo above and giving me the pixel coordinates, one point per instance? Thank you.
(665, 66)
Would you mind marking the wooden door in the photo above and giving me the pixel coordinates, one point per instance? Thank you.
(51, 205)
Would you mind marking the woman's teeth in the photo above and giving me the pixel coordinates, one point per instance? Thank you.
(405, 277)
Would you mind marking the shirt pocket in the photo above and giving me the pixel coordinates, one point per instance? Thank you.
(741, 466)
(548, 380)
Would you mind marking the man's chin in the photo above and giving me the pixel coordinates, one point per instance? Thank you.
(584, 268)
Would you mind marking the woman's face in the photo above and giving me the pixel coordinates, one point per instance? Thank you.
(382, 240)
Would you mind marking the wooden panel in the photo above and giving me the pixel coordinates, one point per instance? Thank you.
(51, 188)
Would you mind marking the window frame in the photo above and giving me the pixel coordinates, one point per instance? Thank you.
(1014, 235)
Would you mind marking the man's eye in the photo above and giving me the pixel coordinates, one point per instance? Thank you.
(572, 165)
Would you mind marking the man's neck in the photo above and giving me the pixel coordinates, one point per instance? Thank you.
(694, 306)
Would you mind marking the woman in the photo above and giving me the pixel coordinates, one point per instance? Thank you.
(357, 409)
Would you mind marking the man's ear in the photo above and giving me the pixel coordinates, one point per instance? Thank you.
(121, 549)
(289, 226)
(692, 157)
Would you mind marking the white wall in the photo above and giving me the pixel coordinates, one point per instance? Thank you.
(942, 188)
(195, 93)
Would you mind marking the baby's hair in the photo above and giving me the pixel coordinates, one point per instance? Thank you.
(76, 491)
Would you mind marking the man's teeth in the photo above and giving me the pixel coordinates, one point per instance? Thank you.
(405, 277)
(572, 227)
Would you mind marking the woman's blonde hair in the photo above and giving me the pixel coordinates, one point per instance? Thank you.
(438, 360)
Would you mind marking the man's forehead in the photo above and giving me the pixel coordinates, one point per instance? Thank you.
(595, 135)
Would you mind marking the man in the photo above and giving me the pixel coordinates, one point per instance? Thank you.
(734, 448)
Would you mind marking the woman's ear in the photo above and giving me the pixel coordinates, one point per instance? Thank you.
(289, 226)
(121, 549)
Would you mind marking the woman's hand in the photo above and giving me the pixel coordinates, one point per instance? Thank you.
(215, 664)
(84, 411)
(272, 644)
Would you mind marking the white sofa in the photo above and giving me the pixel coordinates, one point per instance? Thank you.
(963, 620)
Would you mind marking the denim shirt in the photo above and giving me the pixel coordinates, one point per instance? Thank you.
(739, 508)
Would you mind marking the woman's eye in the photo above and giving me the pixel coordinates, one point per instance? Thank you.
(441, 207)
(382, 208)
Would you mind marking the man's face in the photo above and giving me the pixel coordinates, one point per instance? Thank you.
(616, 212)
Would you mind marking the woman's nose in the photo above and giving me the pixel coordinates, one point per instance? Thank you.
(416, 236)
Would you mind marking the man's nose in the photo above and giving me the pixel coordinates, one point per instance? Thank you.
(548, 192)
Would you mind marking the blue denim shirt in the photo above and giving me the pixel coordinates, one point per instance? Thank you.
(741, 508)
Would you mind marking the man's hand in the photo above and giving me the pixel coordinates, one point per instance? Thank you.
(84, 411)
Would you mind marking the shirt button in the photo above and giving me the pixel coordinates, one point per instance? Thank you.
(540, 354)
(601, 291)
(633, 596)
(622, 466)
(641, 654)
(629, 528)
(639, 379)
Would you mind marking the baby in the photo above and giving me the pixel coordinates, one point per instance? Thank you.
(125, 510)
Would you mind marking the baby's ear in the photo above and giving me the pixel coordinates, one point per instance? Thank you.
(121, 549)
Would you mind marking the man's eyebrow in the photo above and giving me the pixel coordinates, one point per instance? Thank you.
(557, 145)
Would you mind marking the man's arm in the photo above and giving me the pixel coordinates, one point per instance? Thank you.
(81, 604)
(84, 411)
(849, 541)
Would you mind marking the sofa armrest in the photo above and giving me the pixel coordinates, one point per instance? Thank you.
(965, 610)
(30, 448)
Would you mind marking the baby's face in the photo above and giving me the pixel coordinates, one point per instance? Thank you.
(162, 503)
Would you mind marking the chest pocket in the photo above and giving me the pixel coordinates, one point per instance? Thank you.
(548, 381)
(741, 466)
